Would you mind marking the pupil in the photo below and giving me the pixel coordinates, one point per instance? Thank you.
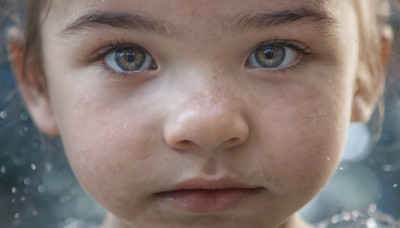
(131, 55)
(269, 54)
(130, 59)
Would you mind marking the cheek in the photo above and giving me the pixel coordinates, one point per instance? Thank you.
(108, 139)
(303, 135)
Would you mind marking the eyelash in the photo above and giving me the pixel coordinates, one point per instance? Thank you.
(101, 54)
(298, 47)
(302, 49)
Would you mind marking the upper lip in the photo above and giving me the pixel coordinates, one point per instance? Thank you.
(204, 183)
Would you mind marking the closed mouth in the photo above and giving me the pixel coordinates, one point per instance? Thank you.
(199, 195)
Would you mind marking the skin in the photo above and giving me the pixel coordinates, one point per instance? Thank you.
(202, 112)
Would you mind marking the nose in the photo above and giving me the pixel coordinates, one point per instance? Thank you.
(208, 128)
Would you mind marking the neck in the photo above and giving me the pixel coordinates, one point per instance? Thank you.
(296, 221)
(111, 221)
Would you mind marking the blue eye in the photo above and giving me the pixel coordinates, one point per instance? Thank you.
(272, 56)
(129, 59)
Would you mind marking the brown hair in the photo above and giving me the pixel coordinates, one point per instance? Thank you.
(27, 16)
(371, 32)
(32, 42)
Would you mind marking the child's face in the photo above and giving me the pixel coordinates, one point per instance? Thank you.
(159, 103)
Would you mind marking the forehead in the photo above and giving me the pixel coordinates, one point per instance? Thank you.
(185, 12)
(72, 6)
(185, 3)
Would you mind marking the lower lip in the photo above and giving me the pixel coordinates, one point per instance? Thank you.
(201, 200)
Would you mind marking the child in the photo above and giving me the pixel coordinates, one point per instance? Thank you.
(201, 113)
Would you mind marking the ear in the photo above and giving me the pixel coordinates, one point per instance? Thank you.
(31, 85)
(370, 79)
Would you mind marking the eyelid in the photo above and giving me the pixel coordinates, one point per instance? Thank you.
(300, 48)
(103, 52)
(296, 45)
(99, 59)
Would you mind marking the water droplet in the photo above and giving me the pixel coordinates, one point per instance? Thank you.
(13, 200)
(17, 215)
(23, 198)
(27, 181)
(41, 188)
(33, 166)
(334, 219)
(321, 115)
(49, 167)
(355, 214)
(372, 208)
(3, 114)
(14, 190)
(387, 168)
(341, 168)
(328, 158)
(65, 199)
(346, 216)
(125, 125)
(3, 170)
(371, 223)
(395, 186)
(23, 116)
(35, 212)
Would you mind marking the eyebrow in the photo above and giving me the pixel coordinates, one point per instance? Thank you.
(99, 19)
(259, 20)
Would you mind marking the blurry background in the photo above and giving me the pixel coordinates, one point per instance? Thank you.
(38, 189)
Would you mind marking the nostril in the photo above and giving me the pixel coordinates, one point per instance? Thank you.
(184, 142)
(181, 145)
(233, 141)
